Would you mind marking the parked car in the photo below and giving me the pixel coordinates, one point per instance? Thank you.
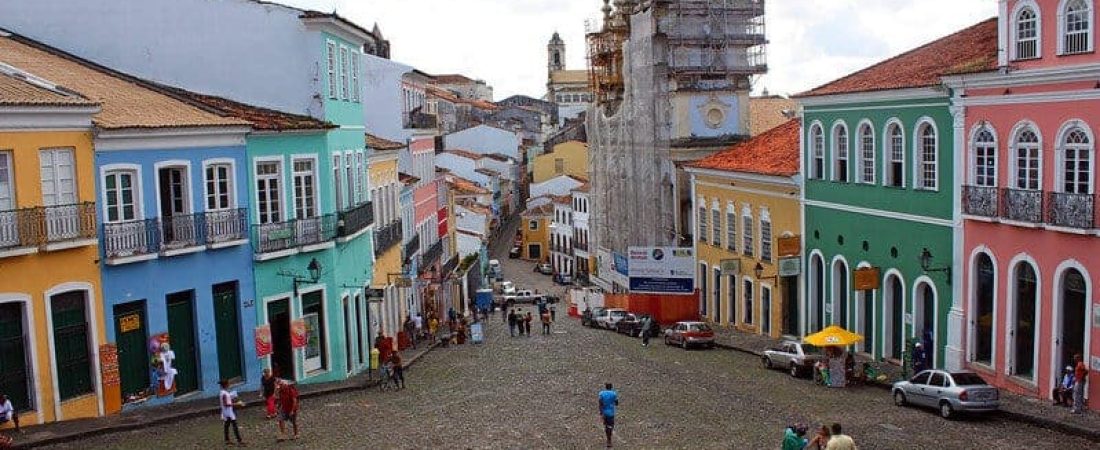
(563, 279)
(494, 268)
(608, 317)
(626, 324)
(795, 357)
(544, 268)
(505, 287)
(687, 334)
(520, 296)
(949, 392)
(588, 318)
(514, 252)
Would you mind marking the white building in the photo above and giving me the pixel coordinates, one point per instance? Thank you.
(555, 186)
(561, 235)
(484, 140)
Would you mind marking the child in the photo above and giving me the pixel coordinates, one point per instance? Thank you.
(269, 382)
(288, 408)
(229, 418)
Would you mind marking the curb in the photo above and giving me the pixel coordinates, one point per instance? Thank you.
(1042, 422)
(344, 386)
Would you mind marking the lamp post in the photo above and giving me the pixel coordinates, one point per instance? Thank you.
(314, 269)
(759, 272)
(926, 264)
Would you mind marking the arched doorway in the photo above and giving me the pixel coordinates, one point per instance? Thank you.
(1025, 295)
(840, 293)
(924, 320)
(1073, 326)
(866, 319)
(982, 313)
(893, 316)
(817, 294)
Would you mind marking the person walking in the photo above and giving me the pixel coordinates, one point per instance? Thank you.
(504, 312)
(269, 383)
(512, 324)
(410, 330)
(609, 401)
(1080, 377)
(228, 400)
(839, 440)
(288, 408)
(546, 322)
(527, 323)
(433, 326)
(398, 370)
(647, 328)
(7, 412)
(553, 313)
(418, 323)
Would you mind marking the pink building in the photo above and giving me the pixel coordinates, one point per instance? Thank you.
(426, 221)
(1030, 250)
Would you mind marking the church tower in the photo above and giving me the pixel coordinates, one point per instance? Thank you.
(555, 54)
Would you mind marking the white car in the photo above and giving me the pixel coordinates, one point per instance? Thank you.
(609, 317)
(506, 287)
(520, 296)
(544, 268)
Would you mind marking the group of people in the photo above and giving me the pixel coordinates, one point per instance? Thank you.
(519, 322)
(1071, 391)
(280, 399)
(826, 438)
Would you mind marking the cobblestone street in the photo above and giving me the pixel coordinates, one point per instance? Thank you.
(540, 392)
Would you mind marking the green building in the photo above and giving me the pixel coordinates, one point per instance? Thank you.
(880, 201)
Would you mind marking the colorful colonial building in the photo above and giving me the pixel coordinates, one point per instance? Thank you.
(880, 215)
(1030, 255)
(747, 202)
(52, 333)
(385, 191)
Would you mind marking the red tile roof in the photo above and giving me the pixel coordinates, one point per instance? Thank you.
(465, 186)
(452, 78)
(465, 154)
(773, 152)
(971, 50)
(19, 90)
(382, 144)
(261, 118)
(407, 179)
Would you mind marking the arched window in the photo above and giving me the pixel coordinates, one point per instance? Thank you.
(984, 287)
(840, 293)
(895, 156)
(866, 154)
(1026, 160)
(1074, 324)
(1025, 295)
(924, 320)
(985, 159)
(817, 294)
(1076, 155)
(840, 153)
(894, 316)
(927, 149)
(1027, 34)
(1076, 27)
(817, 143)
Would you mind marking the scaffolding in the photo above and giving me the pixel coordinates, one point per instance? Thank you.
(714, 38)
(605, 55)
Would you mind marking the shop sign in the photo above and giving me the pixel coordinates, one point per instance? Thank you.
(789, 246)
(129, 323)
(790, 266)
(866, 278)
(263, 341)
(730, 266)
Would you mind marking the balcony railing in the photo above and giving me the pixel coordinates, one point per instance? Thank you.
(450, 266)
(133, 238)
(226, 226)
(1022, 205)
(387, 237)
(278, 236)
(412, 246)
(355, 219)
(181, 231)
(980, 201)
(43, 225)
(582, 246)
(431, 255)
(1071, 210)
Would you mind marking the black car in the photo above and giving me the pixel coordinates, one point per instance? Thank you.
(514, 253)
(631, 325)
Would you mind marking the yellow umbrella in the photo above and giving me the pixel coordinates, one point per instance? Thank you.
(833, 335)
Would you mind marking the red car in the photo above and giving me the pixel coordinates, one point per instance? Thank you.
(688, 334)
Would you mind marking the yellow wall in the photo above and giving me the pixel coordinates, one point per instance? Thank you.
(540, 236)
(574, 156)
(32, 276)
(783, 206)
(384, 173)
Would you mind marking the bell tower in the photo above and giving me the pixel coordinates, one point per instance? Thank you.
(555, 54)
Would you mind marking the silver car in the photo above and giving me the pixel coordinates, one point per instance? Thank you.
(951, 393)
(794, 357)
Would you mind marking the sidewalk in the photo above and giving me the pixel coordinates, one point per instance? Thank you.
(71, 430)
(1013, 407)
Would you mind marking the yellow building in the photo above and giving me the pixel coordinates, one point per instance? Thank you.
(535, 231)
(747, 217)
(51, 315)
(385, 195)
(566, 158)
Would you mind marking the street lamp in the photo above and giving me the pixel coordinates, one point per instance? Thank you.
(759, 272)
(314, 268)
(926, 264)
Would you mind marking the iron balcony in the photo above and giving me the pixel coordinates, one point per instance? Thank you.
(387, 237)
(28, 230)
(294, 233)
(355, 219)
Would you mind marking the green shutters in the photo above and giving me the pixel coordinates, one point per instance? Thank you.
(131, 334)
(70, 336)
(228, 330)
(13, 356)
(181, 336)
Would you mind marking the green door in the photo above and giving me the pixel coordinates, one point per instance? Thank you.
(13, 356)
(181, 334)
(228, 328)
(133, 357)
(71, 346)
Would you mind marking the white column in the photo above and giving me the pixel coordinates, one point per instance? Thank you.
(953, 353)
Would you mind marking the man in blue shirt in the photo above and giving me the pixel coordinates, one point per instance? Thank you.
(609, 399)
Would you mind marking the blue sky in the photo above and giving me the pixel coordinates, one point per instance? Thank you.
(504, 41)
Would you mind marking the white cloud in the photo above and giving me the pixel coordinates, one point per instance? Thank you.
(504, 41)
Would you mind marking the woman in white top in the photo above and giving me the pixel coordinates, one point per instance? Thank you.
(228, 400)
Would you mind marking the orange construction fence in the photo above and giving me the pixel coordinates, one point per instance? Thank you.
(666, 309)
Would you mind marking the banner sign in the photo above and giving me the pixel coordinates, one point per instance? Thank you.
(866, 278)
(263, 341)
(299, 333)
(731, 266)
(790, 267)
(662, 270)
(789, 246)
(621, 264)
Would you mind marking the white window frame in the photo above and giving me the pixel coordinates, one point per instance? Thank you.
(280, 213)
(716, 218)
(976, 147)
(7, 178)
(1014, 47)
(330, 48)
(748, 242)
(363, 184)
(344, 91)
(295, 176)
(1089, 148)
(230, 182)
(731, 227)
(1014, 163)
(701, 218)
(919, 161)
(355, 76)
(748, 301)
(350, 177)
(338, 181)
(134, 171)
(1063, 23)
(888, 156)
(766, 239)
(56, 178)
(817, 149)
(836, 154)
(866, 154)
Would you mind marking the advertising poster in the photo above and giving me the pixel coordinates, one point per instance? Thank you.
(299, 332)
(263, 341)
(662, 270)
